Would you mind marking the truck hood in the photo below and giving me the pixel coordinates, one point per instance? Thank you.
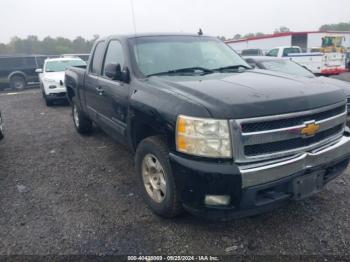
(252, 93)
(56, 76)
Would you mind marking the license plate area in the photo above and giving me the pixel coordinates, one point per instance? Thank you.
(308, 184)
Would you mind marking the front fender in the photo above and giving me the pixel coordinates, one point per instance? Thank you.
(158, 109)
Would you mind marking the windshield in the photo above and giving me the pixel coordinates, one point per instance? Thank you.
(154, 55)
(332, 41)
(62, 65)
(287, 67)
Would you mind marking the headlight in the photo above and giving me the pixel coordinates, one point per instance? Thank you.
(203, 137)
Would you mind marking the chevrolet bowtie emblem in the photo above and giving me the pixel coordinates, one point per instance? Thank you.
(310, 129)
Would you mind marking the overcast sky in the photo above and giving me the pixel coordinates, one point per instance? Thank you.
(71, 18)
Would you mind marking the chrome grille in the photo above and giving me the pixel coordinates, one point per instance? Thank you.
(270, 137)
(292, 121)
(253, 150)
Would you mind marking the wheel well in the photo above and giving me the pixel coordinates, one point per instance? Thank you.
(141, 130)
(70, 93)
(17, 74)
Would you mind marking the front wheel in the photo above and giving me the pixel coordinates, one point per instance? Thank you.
(82, 123)
(155, 177)
(48, 101)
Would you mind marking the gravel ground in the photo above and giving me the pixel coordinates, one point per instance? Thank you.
(61, 193)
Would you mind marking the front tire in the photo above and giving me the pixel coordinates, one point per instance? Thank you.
(17, 82)
(48, 101)
(155, 177)
(82, 123)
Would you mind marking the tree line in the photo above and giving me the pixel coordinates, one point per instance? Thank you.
(61, 45)
(47, 46)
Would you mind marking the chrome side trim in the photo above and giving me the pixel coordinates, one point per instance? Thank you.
(278, 169)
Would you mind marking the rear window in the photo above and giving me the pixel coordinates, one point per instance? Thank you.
(3, 63)
(291, 50)
(273, 52)
(12, 63)
(30, 62)
(19, 63)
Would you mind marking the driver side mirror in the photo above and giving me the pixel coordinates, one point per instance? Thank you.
(114, 72)
(39, 70)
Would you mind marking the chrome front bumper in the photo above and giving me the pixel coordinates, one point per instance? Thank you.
(265, 172)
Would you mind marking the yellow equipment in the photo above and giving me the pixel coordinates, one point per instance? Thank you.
(333, 44)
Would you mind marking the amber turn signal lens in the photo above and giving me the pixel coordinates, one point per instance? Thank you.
(181, 126)
(181, 143)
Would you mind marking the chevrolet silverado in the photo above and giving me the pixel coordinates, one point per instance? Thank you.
(210, 134)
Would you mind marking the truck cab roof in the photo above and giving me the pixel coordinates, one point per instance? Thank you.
(127, 36)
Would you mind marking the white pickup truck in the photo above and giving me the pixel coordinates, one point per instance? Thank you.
(318, 63)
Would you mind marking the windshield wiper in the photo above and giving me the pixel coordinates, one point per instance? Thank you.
(193, 70)
(231, 67)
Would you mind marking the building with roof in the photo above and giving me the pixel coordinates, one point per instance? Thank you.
(306, 40)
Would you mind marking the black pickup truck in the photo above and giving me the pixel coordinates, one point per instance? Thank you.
(210, 134)
(18, 71)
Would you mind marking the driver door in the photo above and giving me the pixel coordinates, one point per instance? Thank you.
(115, 93)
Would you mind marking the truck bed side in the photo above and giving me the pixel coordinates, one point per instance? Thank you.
(74, 80)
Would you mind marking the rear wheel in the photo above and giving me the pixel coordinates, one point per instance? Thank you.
(156, 179)
(17, 82)
(82, 123)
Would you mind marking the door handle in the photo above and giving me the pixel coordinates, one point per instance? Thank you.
(100, 90)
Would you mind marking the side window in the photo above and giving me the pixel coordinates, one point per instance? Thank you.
(30, 62)
(16, 63)
(114, 54)
(96, 61)
(273, 52)
(285, 52)
(288, 51)
(3, 63)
